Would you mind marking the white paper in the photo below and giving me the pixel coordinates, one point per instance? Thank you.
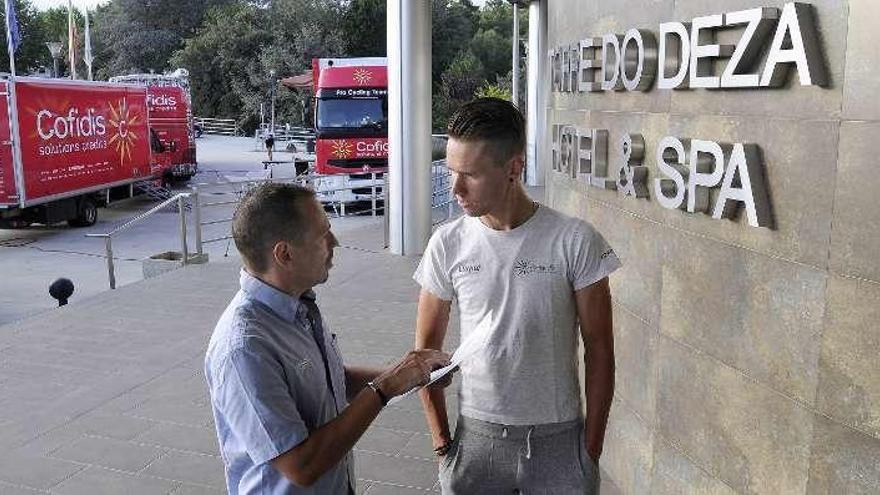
(475, 341)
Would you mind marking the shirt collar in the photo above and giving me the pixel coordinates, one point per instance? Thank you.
(284, 305)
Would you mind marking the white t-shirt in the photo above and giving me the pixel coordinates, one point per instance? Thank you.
(526, 278)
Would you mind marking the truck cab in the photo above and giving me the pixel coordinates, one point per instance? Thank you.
(351, 127)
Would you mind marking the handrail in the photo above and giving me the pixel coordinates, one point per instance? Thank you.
(180, 198)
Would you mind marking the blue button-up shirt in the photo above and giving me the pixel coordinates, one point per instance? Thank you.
(269, 389)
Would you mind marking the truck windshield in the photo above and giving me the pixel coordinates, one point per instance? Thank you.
(352, 113)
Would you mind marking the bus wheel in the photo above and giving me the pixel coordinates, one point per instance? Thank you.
(87, 215)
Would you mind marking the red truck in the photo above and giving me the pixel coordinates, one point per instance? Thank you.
(172, 133)
(65, 144)
(351, 125)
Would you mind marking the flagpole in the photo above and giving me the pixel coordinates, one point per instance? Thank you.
(71, 42)
(12, 108)
(9, 41)
(88, 52)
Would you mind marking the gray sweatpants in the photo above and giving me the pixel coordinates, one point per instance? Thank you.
(488, 458)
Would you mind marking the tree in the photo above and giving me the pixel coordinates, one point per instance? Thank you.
(231, 58)
(458, 84)
(141, 35)
(453, 26)
(221, 55)
(32, 52)
(364, 28)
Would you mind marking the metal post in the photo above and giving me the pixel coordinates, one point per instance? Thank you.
(385, 207)
(537, 85)
(373, 180)
(514, 88)
(111, 272)
(408, 201)
(197, 219)
(181, 208)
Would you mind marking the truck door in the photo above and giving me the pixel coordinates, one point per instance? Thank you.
(8, 193)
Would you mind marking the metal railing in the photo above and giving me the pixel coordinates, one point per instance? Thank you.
(223, 127)
(441, 196)
(108, 236)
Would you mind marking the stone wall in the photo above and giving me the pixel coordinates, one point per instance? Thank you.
(747, 358)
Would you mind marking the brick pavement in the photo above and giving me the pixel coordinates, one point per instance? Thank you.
(107, 395)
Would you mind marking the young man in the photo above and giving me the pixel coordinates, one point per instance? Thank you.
(279, 390)
(542, 276)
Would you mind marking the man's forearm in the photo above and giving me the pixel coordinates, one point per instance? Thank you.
(600, 393)
(434, 402)
(356, 378)
(326, 446)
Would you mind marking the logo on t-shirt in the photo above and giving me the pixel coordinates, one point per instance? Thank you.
(606, 254)
(524, 268)
(466, 268)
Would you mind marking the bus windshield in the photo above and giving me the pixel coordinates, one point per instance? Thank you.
(352, 113)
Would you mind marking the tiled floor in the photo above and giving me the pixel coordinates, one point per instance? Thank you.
(107, 395)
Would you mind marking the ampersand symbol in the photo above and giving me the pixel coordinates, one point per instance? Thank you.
(632, 177)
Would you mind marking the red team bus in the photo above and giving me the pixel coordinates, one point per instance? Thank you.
(351, 125)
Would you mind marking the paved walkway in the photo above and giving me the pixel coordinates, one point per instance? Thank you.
(107, 395)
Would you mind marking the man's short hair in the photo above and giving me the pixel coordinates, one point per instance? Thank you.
(266, 215)
(493, 120)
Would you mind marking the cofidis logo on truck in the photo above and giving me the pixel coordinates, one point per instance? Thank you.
(66, 129)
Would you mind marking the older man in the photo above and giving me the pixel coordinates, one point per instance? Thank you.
(286, 408)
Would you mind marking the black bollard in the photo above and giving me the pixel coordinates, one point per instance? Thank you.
(61, 290)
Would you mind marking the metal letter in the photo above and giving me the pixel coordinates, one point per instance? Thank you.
(589, 65)
(748, 50)
(674, 36)
(574, 66)
(640, 60)
(555, 69)
(671, 155)
(555, 148)
(632, 178)
(566, 56)
(796, 29)
(705, 172)
(611, 68)
(745, 162)
(701, 70)
(599, 160)
(584, 165)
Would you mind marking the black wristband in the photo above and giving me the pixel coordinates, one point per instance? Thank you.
(382, 396)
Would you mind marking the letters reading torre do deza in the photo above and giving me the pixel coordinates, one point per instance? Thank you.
(686, 57)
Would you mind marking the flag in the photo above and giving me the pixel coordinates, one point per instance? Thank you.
(71, 38)
(12, 25)
(88, 51)
(13, 36)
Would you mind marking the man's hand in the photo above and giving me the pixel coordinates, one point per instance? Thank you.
(593, 451)
(414, 370)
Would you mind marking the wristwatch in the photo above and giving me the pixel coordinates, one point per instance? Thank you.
(379, 392)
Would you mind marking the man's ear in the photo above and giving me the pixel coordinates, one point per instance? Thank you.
(282, 253)
(517, 163)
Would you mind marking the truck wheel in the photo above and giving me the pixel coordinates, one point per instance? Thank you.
(87, 215)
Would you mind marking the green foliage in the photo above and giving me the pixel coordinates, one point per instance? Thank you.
(141, 35)
(496, 90)
(33, 52)
(458, 85)
(453, 26)
(494, 50)
(231, 47)
(364, 27)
